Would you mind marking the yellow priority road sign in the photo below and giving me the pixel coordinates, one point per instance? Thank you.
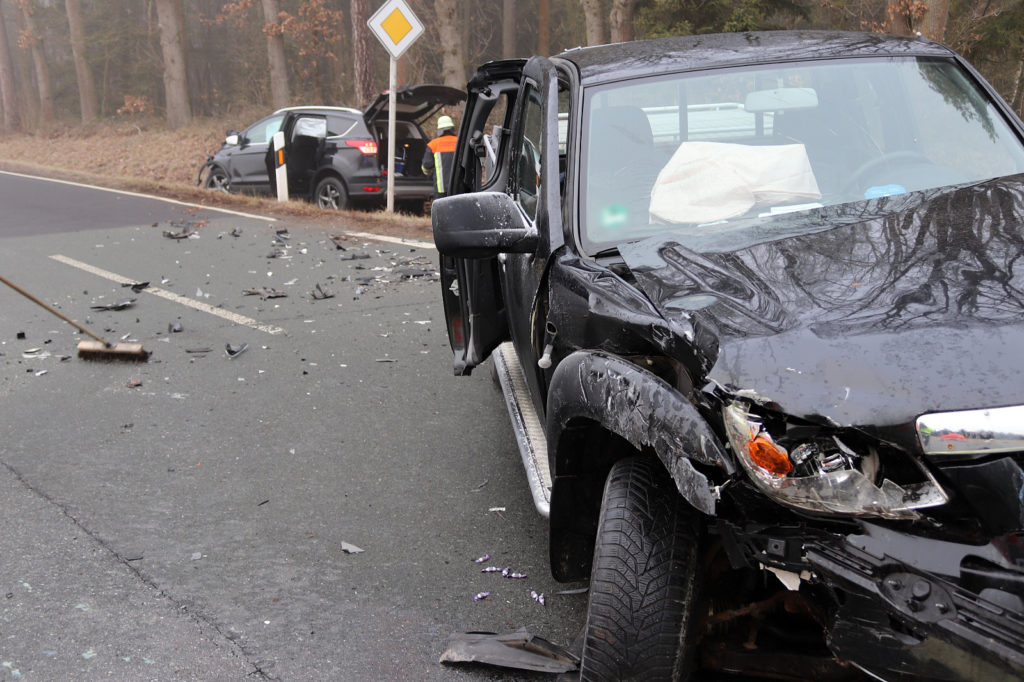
(395, 26)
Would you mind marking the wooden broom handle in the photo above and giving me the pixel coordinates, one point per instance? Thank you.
(53, 310)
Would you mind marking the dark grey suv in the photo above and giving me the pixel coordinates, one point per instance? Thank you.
(336, 156)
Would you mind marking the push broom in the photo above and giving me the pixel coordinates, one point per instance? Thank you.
(100, 349)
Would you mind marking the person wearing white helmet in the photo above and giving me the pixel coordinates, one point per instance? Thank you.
(440, 153)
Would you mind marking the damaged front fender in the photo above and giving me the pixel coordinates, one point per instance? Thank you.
(598, 405)
(642, 409)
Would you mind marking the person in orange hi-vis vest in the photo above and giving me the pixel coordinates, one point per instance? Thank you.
(440, 152)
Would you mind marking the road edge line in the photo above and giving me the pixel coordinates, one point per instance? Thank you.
(140, 195)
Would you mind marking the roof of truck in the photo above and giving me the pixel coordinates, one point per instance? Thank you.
(665, 55)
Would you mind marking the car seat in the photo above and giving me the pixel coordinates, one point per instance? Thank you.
(621, 166)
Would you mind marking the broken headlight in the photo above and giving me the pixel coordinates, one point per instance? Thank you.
(818, 471)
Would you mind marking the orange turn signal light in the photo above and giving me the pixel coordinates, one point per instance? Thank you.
(769, 456)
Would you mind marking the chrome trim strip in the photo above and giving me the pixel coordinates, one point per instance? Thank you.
(970, 432)
(529, 431)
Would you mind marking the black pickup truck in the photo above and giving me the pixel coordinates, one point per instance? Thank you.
(756, 303)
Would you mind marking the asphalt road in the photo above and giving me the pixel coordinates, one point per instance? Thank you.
(187, 518)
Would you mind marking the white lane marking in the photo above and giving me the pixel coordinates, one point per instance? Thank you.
(144, 196)
(171, 296)
(392, 240)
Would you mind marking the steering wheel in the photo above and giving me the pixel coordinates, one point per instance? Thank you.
(898, 157)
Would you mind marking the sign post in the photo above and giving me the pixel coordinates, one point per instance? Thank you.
(396, 27)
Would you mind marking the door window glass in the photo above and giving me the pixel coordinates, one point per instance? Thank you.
(310, 127)
(263, 131)
(528, 155)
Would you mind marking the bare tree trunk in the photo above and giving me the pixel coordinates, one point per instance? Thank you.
(544, 27)
(933, 25)
(279, 91)
(8, 93)
(172, 43)
(597, 24)
(31, 40)
(508, 28)
(898, 21)
(621, 20)
(1015, 101)
(83, 74)
(362, 52)
(453, 52)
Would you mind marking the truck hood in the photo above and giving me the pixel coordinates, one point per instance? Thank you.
(865, 314)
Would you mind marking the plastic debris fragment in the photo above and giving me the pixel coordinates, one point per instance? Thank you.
(537, 597)
(119, 305)
(264, 293)
(348, 548)
(234, 351)
(518, 650)
(484, 558)
(480, 596)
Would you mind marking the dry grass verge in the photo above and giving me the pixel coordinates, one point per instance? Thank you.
(141, 156)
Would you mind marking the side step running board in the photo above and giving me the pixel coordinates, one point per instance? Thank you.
(529, 431)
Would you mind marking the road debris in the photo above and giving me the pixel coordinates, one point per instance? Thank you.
(175, 327)
(481, 596)
(337, 240)
(483, 559)
(537, 597)
(134, 382)
(234, 351)
(119, 305)
(136, 286)
(186, 229)
(264, 293)
(198, 350)
(319, 293)
(348, 548)
(518, 650)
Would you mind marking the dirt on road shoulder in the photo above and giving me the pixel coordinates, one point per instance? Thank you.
(142, 157)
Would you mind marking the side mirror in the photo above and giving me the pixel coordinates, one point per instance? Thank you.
(232, 139)
(481, 225)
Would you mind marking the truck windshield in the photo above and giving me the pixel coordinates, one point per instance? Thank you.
(715, 150)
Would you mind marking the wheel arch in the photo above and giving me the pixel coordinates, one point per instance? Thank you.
(601, 408)
(326, 172)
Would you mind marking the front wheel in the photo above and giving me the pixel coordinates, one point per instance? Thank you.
(218, 180)
(646, 579)
(331, 193)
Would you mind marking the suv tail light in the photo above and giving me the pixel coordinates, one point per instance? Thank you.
(368, 147)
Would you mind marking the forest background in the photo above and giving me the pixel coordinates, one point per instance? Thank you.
(74, 68)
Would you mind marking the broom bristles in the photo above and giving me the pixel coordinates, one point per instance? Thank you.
(95, 350)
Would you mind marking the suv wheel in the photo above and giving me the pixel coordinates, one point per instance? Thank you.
(646, 579)
(217, 179)
(331, 193)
